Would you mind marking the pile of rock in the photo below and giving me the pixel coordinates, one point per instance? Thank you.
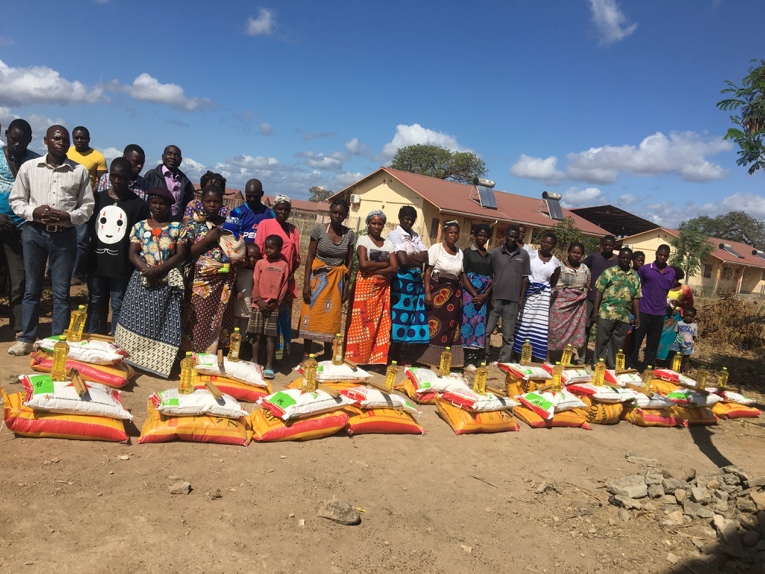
(728, 505)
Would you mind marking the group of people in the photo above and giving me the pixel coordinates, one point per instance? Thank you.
(181, 273)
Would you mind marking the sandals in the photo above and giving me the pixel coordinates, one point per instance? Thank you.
(268, 374)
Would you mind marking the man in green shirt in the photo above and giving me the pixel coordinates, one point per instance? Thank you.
(617, 292)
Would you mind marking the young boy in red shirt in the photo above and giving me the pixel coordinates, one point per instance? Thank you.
(269, 287)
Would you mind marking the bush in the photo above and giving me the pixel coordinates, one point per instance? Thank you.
(733, 321)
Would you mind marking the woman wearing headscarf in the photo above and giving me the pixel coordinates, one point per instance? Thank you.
(409, 320)
(291, 252)
(533, 321)
(149, 326)
(568, 304)
(476, 296)
(211, 314)
(367, 337)
(194, 206)
(327, 274)
(443, 298)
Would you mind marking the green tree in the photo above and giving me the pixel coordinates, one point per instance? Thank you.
(319, 194)
(690, 248)
(734, 226)
(749, 101)
(566, 232)
(439, 162)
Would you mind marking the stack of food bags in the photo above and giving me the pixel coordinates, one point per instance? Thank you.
(242, 380)
(376, 411)
(61, 409)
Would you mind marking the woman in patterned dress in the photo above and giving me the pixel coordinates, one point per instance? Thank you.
(476, 296)
(150, 321)
(568, 304)
(210, 313)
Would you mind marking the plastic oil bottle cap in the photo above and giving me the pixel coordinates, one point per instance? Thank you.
(394, 362)
(236, 329)
(81, 307)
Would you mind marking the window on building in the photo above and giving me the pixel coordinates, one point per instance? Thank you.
(707, 271)
(434, 223)
(727, 273)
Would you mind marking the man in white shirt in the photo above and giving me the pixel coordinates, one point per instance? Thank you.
(53, 194)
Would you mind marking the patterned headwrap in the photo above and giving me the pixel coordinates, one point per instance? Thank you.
(451, 223)
(282, 199)
(376, 213)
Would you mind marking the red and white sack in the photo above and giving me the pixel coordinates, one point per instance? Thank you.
(44, 394)
(733, 397)
(571, 376)
(469, 400)
(326, 372)
(623, 379)
(245, 372)
(200, 402)
(427, 381)
(91, 351)
(674, 377)
(368, 398)
(525, 372)
(604, 393)
(655, 401)
(294, 403)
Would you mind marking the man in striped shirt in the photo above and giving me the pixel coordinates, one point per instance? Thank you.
(53, 194)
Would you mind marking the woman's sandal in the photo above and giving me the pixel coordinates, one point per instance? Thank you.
(268, 374)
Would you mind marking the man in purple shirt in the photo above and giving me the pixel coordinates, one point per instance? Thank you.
(597, 263)
(169, 176)
(657, 278)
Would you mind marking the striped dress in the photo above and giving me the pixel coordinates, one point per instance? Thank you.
(533, 320)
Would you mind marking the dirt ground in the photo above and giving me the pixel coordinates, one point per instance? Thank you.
(431, 504)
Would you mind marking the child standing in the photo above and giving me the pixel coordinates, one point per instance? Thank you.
(243, 287)
(269, 287)
(687, 330)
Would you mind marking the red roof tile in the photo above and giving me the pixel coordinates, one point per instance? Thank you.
(456, 197)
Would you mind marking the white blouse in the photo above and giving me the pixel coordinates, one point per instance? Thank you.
(541, 271)
(444, 262)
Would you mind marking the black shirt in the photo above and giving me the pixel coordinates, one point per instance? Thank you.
(474, 262)
(110, 228)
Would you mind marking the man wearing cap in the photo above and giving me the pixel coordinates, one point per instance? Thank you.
(168, 175)
(53, 195)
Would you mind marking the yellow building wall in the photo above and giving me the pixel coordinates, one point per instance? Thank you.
(727, 276)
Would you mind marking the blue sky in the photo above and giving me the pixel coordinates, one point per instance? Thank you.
(604, 101)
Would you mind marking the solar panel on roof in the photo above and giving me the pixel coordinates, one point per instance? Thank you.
(486, 197)
(758, 253)
(553, 205)
(729, 249)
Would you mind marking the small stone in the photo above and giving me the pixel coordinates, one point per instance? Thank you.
(339, 512)
(651, 462)
(283, 456)
(124, 457)
(756, 482)
(671, 484)
(624, 515)
(556, 520)
(758, 498)
(691, 508)
(727, 530)
(720, 506)
(674, 518)
(705, 512)
(750, 538)
(686, 474)
(748, 521)
(632, 486)
(214, 494)
(625, 502)
(729, 488)
(731, 479)
(291, 515)
(667, 499)
(745, 504)
(673, 558)
(612, 522)
(180, 488)
(650, 506)
(737, 471)
(701, 531)
(713, 484)
(466, 548)
(301, 523)
(700, 495)
(719, 495)
(175, 477)
(680, 494)
(655, 491)
(542, 488)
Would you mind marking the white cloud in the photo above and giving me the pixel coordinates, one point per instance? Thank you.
(626, 200)
(42, 85)
(111, 152)
(263, 25)
(610, 21)
(266, 129)
(332, 162)
(542, 169)
(146, 88)
(416, 134)
(345, 179)
(40, 124)
(682, 154)
(590, 196)
(752, 204)
(355, 147)
(668, 214)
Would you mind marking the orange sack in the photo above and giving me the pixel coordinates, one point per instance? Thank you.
(734, 411)
(410, 389)
(694, 415)
(381, 421)
(651, 417)
(600, 413)
(575, 418)
(115, 376)
(235, 389)
(464, 422)
(204, 428)
(268, 428)
(23, 421)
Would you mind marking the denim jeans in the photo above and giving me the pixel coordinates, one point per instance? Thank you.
(14, 257)
(508, 310)
(101, 289)
(83, 244)
(58, 250)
